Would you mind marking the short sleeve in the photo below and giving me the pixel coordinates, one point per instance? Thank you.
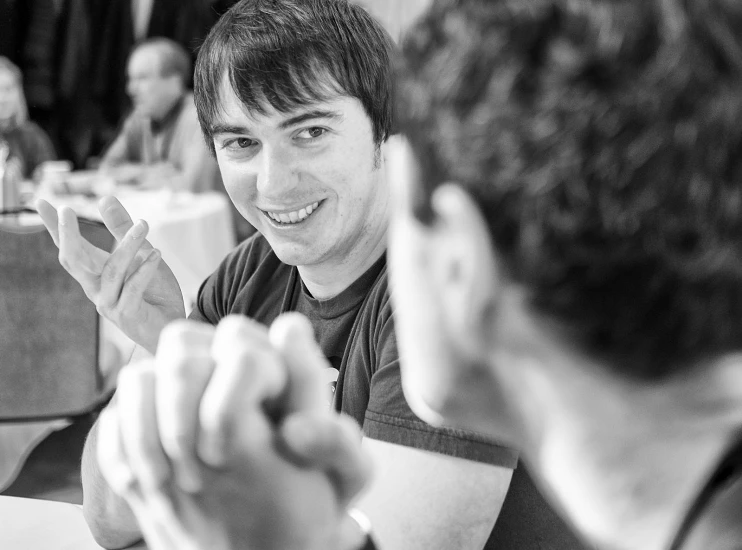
(389, 418)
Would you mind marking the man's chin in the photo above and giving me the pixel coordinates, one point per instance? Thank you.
(292, 255)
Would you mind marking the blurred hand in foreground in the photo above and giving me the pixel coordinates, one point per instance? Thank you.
(224, 440)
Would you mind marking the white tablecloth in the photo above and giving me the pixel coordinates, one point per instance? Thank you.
(30, 524)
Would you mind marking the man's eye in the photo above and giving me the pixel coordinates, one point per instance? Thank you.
(243, 143)
(238, 143)
(311, 133)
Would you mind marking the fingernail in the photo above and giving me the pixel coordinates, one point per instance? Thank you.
(138, 229)
(153, 256)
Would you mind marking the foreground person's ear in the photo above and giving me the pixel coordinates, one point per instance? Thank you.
(464, 267)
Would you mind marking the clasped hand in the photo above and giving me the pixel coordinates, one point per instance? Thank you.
(224, 440)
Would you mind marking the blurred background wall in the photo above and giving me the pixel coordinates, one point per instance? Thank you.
(396, 15)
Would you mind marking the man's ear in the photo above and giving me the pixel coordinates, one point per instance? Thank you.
(465, 268)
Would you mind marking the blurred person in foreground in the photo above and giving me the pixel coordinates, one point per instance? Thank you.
(296, 99)
(26, 145)
(565, 264)
(160, 143)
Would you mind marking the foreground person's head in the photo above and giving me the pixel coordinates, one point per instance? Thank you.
(294, 98)
(578, 289)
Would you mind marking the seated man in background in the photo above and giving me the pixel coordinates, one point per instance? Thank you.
(565, 262)
(295, 97)
(160, 144)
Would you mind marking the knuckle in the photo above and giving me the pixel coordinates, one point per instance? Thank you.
(178, 445)
(182, 338)
(109, 273)
(177, 333)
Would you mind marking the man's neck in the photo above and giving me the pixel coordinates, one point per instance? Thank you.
(626, 461)
(327, 280)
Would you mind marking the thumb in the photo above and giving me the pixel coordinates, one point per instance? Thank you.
(331, 443)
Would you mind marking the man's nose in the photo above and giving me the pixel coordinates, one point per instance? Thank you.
(277, 173)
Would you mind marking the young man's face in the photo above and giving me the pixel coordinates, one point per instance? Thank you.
(309, 180)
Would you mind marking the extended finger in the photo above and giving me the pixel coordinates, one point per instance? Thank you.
(136, 284)
(330, 442)
(184, 367)
(116, 218)
(75, 252)
(138, 421)
(120, 264)
(292, 334)
(49, 216)
(249, 374)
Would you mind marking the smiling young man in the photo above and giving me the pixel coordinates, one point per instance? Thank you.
(295, 99)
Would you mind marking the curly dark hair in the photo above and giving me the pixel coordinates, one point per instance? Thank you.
(602, 141)
(291, 53)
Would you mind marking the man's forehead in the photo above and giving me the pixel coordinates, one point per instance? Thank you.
(145, 59)
(232, 110)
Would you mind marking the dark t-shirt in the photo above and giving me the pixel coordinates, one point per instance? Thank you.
(356, 333)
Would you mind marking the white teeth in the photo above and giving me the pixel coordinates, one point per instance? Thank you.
(293, 217)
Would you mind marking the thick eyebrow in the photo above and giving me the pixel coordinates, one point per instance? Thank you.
(217, 129)
(309, 115)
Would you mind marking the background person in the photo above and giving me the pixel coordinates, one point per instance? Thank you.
(160, 144)
(28, 145)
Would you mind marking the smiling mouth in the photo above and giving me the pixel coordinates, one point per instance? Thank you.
(291, 218)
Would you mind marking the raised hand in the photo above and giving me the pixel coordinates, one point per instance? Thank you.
(131, 286)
